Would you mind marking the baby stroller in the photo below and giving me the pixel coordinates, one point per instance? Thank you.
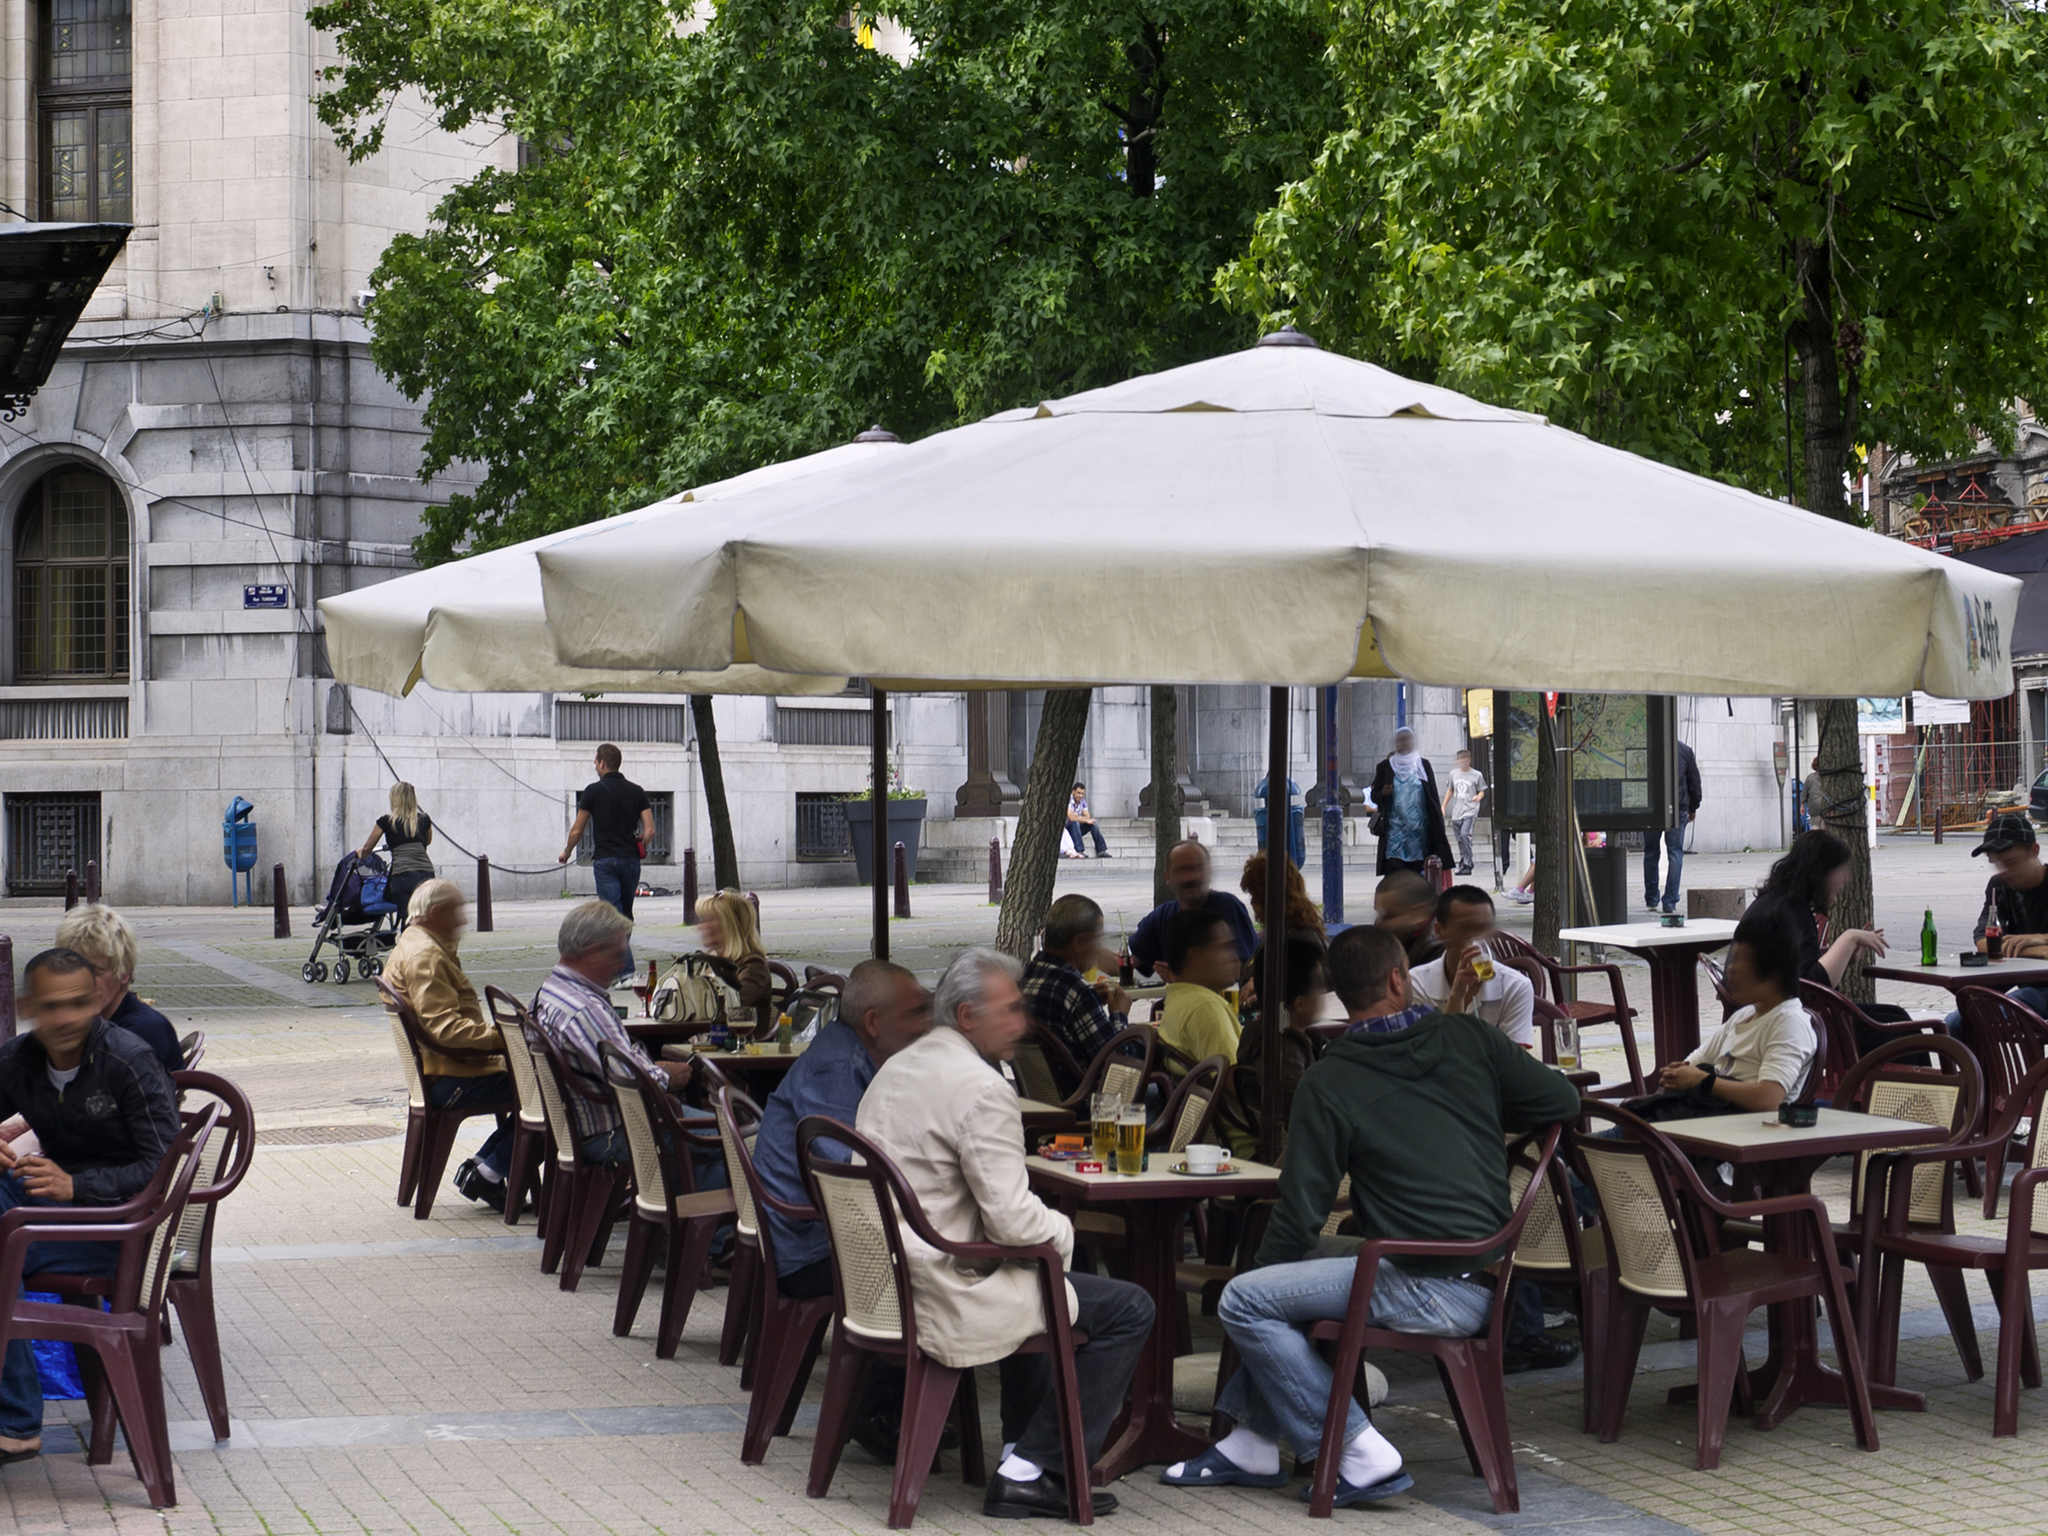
(355, 919)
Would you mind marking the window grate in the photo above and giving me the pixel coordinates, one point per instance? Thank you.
(48, 835)
(600, 720)
(821, 827)
(823, 727)
(63, 719)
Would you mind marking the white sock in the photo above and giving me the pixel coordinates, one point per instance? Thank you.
(1249, 1452)
(490, 1174)
(1368, 1458)
(1009, 1447)
(1018, 1470)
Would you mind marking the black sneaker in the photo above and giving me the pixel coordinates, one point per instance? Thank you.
(470, 1183)
(1542, 1353)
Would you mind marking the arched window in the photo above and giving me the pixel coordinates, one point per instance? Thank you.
(71, 579)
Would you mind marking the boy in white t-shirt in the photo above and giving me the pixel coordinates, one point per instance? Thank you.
(1764, 1053)
(1461, 806)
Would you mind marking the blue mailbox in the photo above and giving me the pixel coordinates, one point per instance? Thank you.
(238, 849)
(1297, 843)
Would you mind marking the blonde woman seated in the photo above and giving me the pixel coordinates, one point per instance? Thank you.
(103, 936)
(730, 934)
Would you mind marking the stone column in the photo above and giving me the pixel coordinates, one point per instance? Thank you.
(988, 790)
(1193, 801)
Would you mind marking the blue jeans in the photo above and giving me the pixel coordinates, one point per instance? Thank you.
(493, 1091)
(1080, 830)
(21, 1390)
(1674, 847)
(1282, 1390)
(617, 880)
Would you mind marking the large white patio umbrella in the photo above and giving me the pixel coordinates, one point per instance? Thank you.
(1281, 515)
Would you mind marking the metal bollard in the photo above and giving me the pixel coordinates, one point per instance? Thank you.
(7, 1026)
(902, 882)
(689, 885)
(995, 871)
(280, 909)
(70, 889)
(92, 879)
(483, 894)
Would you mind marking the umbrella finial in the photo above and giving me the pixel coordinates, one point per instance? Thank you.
(878, 434)
(1287, 336)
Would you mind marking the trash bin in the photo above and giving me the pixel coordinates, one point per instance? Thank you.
(238, 849)
(1609, 870)
(1297, 832)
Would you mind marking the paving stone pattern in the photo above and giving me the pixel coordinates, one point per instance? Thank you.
(390, 1375)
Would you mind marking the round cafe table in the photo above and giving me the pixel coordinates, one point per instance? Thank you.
(1153, 1205)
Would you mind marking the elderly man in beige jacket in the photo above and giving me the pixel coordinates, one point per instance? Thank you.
(943, 1111)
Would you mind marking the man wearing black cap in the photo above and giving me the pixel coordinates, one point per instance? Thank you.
(2017, 894)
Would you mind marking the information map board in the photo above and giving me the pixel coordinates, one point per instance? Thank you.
(1623, 762)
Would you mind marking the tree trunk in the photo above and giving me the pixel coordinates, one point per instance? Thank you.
(1553, 835)
(1826, 461)
(1165, 789)
(725, 859)
(1042, 820)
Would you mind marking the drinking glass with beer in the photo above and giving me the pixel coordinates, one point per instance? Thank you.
(1130, 1139)
(1102, 1113)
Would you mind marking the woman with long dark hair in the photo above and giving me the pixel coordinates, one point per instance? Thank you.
(1799, 891)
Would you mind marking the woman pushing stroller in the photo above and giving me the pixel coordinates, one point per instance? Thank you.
(406, 831)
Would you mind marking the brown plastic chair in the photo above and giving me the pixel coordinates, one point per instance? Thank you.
(1121, 1067)
(528, 1159)
(867, 1204)
(586, 1197)
(1586, 1013)
(126, 1341)
(191, 1050)
(1717, 978)
(667, 1205)
(1664, 1231)
(2008, 1259)
(1469, 1368)
(1556, 1249)
(2008, 1038)
(1843, 1028)
(786, 1330)
(818, 979)
(786, 984)
(429, 1132)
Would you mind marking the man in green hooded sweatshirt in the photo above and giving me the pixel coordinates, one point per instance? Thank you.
(1418, 1115)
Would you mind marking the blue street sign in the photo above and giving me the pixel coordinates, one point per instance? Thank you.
(267, 595)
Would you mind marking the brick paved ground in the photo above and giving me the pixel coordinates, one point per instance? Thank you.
(403, 1376)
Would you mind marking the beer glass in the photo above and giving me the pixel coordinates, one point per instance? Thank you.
(1103, 1109)
(1130, 1139)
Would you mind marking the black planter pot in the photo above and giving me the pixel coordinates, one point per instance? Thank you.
(906, 823)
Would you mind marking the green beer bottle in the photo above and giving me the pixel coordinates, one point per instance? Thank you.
(1929, 947)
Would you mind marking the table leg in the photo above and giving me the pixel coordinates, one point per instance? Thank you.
(1674, 1002)
(1151, 1434)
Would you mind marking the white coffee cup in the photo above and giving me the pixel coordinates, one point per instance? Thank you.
(1205, 1159)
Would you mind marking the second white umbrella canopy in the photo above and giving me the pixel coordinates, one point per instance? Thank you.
(1281, 514)
(476, 625)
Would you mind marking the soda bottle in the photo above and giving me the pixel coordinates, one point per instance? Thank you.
(785, 1034)
(1126, 973)
(1929, 946)
(1994, 938)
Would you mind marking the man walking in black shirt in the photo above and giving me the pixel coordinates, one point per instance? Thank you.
(622, 825)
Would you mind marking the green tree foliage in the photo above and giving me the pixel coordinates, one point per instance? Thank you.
(1735, 236)
(751, 238)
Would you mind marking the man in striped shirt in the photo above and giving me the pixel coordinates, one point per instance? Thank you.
(575, 1009)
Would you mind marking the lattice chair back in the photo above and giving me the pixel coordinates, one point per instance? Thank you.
(223, 1160)
(1124, 1079)
(868, 1264)
(654, 1187)
(1543, 1245)
(2037, 1152)
(1034, 1072)
(1891, 1081)
(1116, 1071)
(1340, 1208)
(402, 1035)
(510, 1016)
(1195, 1102)
(736, 1132)
(1929, 1101)
(551, 1098)
(1641, 1231)
(184, 1161)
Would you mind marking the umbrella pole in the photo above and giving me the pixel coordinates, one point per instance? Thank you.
(878, 850)
(1272, 982)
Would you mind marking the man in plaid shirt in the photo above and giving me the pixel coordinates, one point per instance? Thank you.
(574, 1009)
(1081, 1017)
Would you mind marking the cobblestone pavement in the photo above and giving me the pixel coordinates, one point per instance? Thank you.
(389, 1375)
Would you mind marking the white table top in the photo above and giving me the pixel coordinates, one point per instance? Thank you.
(1701, 930)
(1752, 1131)
(1950, 971)
(1154, 1177)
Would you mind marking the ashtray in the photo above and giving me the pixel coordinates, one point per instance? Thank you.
(1801, 1115)
(1972, 957)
